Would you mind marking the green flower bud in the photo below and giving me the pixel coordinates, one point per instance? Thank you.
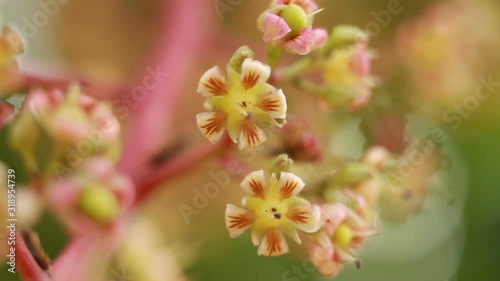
(295, 17)
(343, 235)
(353, 173)
(243, 53)
(99, 203)
(346, 35)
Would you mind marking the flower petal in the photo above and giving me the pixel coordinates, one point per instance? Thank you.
(274, 27)
(305, 217)
(273, 244)
(250, 135)
(255, 184)
(257, 235)
(238, 220)
(333, 215)
(289, 185)
(302, 43)
(212, 83)
(291, 231)
(320, 38)
(254, 72)
(212, 124)
(323, 260)
(274, 103)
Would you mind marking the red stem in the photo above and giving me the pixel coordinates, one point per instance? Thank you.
(175, 166)
(26, 264)
(182, 40)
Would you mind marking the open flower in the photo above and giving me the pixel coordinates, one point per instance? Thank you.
(242, 104)
(288, 24)
(343, 232)
(271, 209)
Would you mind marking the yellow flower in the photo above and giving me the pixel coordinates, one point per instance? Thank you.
(242, 104)
(272, 209)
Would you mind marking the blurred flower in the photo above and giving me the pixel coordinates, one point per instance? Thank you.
(300, 142)
(271, 209)
(342, 234)
(142, 240)
(446, 48)
(94, 196)
(77, 125)
(406, 189)
(348, 70)
(288, 24)
(11, 45)
(242, 104)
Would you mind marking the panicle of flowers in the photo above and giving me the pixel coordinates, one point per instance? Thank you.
(11, 46)
(288, 24)
(74, 124)
(240, 101)
(272, 208)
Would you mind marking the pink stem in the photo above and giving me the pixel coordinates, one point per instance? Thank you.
(181, 41)
(175, 166)
(26, 264)
(88, 256)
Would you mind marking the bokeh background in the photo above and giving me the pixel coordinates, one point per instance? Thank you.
(430, 58)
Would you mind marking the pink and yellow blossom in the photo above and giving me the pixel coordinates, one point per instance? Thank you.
(343, 233)
(288, 24)
(242, 103)
(271, 209)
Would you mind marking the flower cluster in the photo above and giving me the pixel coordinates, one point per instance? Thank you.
(75, 123)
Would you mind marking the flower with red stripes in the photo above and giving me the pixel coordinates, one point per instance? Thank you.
(272, 208)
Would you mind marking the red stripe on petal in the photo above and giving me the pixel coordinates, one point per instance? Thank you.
(240, 221)
(269, 104)
(287, 189)
(257, 188)
(215, 124)
(250, 132)
(274, 241)
(299, 216)
(250, 80)
(216, 86)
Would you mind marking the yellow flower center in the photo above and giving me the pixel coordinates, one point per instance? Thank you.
(343, 236)
(270, 212)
